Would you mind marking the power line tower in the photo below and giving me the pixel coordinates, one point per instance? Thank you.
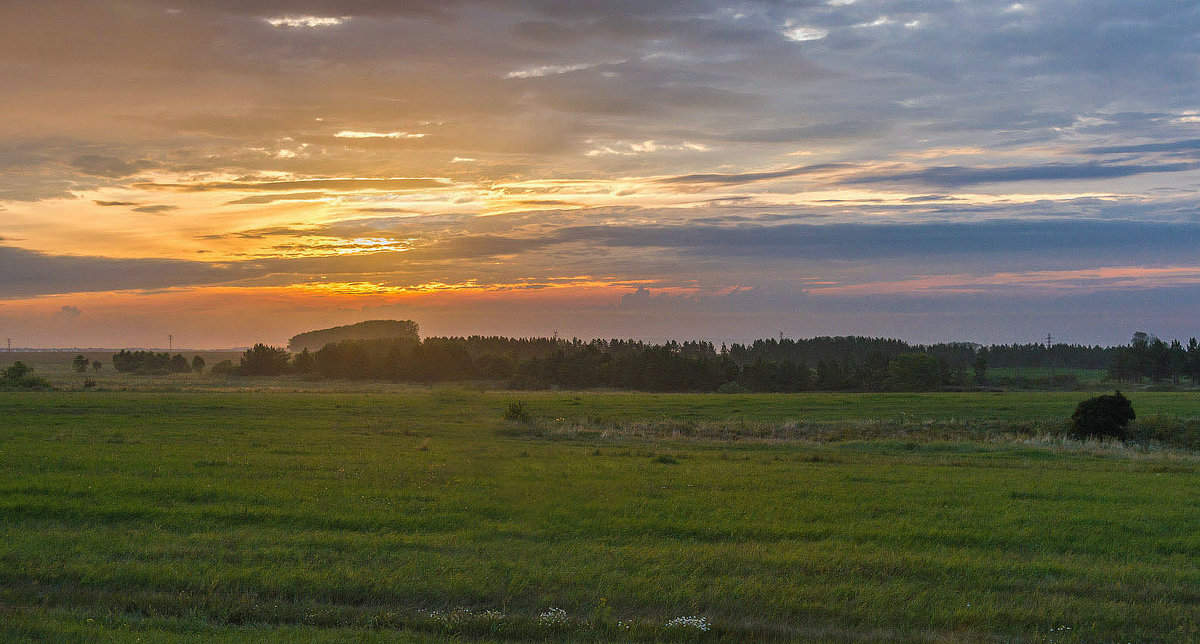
(170, 342)
(1049, 341)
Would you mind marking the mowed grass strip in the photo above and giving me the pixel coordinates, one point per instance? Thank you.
(321, 517)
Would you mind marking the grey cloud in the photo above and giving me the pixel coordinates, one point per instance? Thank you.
(1071, 240)
(29, 273)
(751, 177)
(1189, 145)
(68, 312)
(818, 132)
(37, 187)
(960, 176)
(265, 199)
(930, 198)
(326, 184)
(100, 202)
(771, 297)
(111, 167)
(156, 209)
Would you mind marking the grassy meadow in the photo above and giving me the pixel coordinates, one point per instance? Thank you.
(449, 515)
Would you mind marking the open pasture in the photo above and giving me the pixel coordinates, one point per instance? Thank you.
(424, 517)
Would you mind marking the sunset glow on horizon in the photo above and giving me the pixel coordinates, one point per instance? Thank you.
(232, 172)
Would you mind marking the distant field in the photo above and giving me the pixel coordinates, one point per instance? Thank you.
(405, 517)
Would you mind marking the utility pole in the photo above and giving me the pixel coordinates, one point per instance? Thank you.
(1049, 340)
(170, 342)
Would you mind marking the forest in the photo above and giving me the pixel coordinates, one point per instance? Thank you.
(846, 363)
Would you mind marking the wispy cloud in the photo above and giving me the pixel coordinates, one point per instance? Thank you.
(355, 134)
(306, 22)
(752, 177)
(961, 176)
(303, 184)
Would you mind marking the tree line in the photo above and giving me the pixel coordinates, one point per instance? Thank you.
(147, 363)
(1149, 358)
(539, 363)
(848, 363)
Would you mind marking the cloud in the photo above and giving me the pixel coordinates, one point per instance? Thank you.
(309, 22)
(1188, 145)
(68, 312)
(354, 134)
(545, 70)
(751, 177)
(1071, 240)
(29, 273)
(819, 132)
(265, 199)
(324, 184)
(960, 176)
(100, 202)
(773, 298)
(155, 209)
(111, 167)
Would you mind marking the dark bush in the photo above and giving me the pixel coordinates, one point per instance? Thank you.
(264, 360)
(1103, 416)
(517, 412)
(19, 376)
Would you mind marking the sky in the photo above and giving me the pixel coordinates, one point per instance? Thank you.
(233, 172)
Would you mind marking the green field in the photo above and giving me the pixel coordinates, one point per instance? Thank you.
(406, 517)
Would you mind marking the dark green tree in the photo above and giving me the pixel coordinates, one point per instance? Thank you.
(303, 362)
(264, 360)
(980, 367)
(914, 372)
(198, 364)
(80, 364)
(16, 371)
(179, 364)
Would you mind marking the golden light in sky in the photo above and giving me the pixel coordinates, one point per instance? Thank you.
(711, 170)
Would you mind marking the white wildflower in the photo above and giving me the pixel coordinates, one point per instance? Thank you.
(554, 617)
(695, 622)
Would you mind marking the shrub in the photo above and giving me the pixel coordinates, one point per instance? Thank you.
(16, 371)
(732, 387)
(223, 368)
(516, 412)
(1103, 416)
(18, 376)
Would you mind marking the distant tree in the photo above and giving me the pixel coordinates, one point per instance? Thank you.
(303, 362)
(369, 330)
(179, 364)
(80, 364)
(1102, 417)
(19, 375)
(16, 371)
(142, 362)
(1139, 355)
(914, 372)
(980, 367)
(264, 360)
(97, 365)
(198, 364)
(223, 368)
(1192, 363)
(1158, 358)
